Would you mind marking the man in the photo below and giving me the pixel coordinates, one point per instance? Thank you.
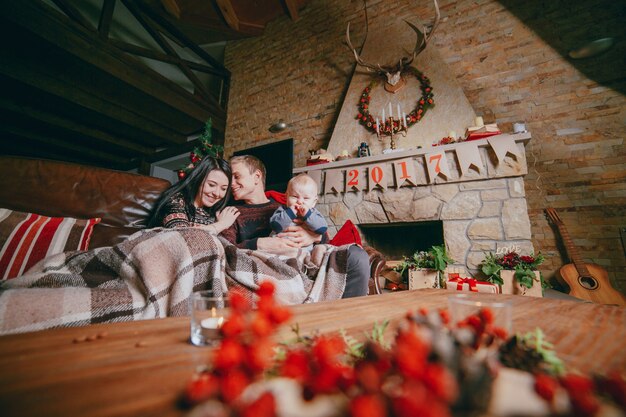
(252, 228)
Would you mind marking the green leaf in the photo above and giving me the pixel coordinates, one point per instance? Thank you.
(524, 276)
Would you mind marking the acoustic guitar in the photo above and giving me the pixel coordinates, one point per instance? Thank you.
(586, 280)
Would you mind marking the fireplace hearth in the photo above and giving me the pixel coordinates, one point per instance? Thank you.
(395, 240)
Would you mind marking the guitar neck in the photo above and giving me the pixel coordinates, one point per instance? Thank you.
(572, 251)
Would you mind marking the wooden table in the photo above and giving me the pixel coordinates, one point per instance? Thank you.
(140, 368)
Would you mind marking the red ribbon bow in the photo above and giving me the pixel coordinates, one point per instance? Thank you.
(460, 281)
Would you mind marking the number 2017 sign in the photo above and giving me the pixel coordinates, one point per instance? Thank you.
(355, 179)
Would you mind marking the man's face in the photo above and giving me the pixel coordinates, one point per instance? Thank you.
(244, 183)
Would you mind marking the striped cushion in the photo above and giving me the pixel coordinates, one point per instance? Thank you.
(27, 238)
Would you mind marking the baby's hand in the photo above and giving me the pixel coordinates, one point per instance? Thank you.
(301, 211)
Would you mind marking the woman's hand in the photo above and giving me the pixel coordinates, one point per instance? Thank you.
(225, 218)
(300, 235)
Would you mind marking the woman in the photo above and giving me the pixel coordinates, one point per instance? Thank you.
(199, 200)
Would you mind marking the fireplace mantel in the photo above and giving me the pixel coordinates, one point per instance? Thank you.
(480, 198)
(498, 156)
(368, 160)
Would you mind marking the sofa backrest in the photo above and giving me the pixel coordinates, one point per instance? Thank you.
(59, 189)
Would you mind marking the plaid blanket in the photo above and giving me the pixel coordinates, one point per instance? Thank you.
(153, 273)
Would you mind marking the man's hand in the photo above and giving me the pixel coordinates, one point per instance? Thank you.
(276, 245)
(300, 235)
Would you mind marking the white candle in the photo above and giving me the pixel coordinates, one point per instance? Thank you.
(377, 126)
(399, 112)
(384, 115)
(404, 120)
(390, 112)
(210, 328)
(479, 122)
(212, 323)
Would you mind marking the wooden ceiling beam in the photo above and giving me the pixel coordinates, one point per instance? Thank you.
(41, 20)
(63, 144)
(72, 125)
(163, 43)
(292, 9)
(70, 10)
(177, 33)
(106, 17)
(158, 56)
(81, 94)
(228, 13)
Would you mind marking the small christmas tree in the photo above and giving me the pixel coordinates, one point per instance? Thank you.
(203, 149)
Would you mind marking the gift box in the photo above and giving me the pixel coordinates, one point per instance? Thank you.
(423, 278)
(511, 286)
(457, 283)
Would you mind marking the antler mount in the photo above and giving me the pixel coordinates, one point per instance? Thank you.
(393, 73)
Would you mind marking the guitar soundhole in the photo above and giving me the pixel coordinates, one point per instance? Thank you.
(588, 283)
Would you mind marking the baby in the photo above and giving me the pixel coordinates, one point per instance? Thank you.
(301, 198)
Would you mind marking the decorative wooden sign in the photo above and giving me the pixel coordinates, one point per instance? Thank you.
(334, 182)
(437, 165)
(404, 172)
(355, 180)
(377, 177)
(468, 156)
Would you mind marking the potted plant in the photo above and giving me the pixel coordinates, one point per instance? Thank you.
(425, 268)
(516, 274)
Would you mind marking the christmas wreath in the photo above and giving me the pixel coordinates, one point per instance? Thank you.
(203, 149)
(423, 104)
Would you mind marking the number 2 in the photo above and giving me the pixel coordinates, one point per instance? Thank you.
(353, 175)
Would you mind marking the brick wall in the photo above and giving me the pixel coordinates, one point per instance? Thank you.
(508, 56)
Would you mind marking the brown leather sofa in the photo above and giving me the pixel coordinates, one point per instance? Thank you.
(58, 189)
(123, 200)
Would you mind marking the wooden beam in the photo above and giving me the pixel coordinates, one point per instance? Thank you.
(41, 20)
(228, 12)
(63, 144)
(292, 8)
(172, 29)
(73, 126)
(66, 85)
(73, 13)
(158, 38)
(172, 7)
(158, 56)
(106, 16)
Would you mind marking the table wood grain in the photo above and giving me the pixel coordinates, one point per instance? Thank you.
(140, 368)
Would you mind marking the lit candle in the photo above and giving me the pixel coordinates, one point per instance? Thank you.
(211, 327)
(212, 323)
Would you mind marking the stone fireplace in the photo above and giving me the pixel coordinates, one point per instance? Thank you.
(477, 193)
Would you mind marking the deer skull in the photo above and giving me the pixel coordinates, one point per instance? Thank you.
(393, 73)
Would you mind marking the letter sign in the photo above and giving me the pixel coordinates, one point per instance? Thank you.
(377, 177)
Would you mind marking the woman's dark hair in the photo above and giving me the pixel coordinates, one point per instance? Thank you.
(189, 189)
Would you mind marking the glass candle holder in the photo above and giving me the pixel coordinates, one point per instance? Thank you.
(208, 312)
(461, 306)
